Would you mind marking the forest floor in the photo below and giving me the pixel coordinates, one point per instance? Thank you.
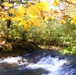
(51, 47)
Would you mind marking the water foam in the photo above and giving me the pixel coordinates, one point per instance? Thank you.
(10, 60)
(50, 64)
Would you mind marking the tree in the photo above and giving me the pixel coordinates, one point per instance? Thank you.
(61, 12)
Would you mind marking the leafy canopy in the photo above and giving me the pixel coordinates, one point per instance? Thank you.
(35, 14)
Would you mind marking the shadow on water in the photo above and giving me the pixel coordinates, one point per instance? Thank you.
(39, 62)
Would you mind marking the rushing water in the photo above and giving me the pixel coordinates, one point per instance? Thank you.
(40, 62)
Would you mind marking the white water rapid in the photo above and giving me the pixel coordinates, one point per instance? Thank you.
(52, 65)
(38, 64)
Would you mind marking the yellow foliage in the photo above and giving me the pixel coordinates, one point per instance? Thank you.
(71, 6)
(62, 21)
(17, 19)
(56, 12)
(56, 2)
(11, 10)
(26, 27)
(33, 15)
(72, 1)
(29, 4)
(74, 16)
(74, 19)
(41, 20)
(51, 11)
(0, 8)
(3, 16)
(7, 4)
(44, 16)
(33, 22)
(43, 6)
(9, 18)
(20, 11)
(51, 17)
(33, 11)
(65, 16)
(24, 23)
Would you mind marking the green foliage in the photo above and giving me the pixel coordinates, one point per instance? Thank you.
(47, 33)
(53, 30)
(69, 50)
(39, 33)
(63, 35)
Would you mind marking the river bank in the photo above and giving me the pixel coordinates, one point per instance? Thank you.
(17, 51)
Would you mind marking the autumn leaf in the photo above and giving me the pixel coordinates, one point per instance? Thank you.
(43, 6)
(16, 19)
(7, 4)
(56, 12)
(74, 19)
(44, 16)
(0, 8)
(56, 2)
(72, 1)
(34, 22)
(33, 11)
(3, 16)
(51, 17)
(29, 4)
(74, 16)
(24, 23)
(26, 27)
(71, 6)
(62, 21)
(20, 11)
(11, 10)
(65, 16)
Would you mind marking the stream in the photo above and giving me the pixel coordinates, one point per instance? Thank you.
(39, 62)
